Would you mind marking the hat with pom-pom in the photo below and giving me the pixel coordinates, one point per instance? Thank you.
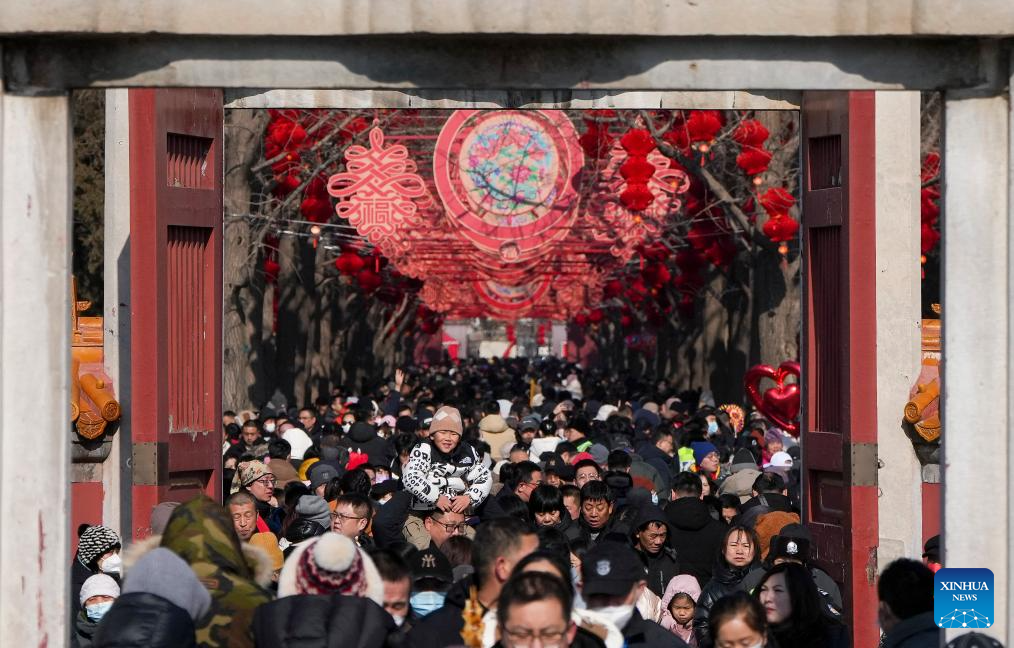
(330, 564)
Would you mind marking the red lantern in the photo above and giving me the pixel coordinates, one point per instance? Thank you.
(637, 170)
(596, 316)
(581, 320)
(271, 270)
(656, 274)
(316, 210)
(596, 141)
(750, 132)
(637, 197)
(753, 161)
(285, 185)
(777, 200)
(637, 142)
(368, 280)
(349, 263)
(612, 289)
(704, 125)
(781, 228)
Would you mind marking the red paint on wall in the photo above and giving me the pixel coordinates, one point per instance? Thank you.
(85, 507)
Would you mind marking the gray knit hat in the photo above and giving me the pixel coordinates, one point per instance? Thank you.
(162, 573)
(314, 508)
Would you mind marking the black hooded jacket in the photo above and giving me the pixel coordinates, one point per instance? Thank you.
(695, 535)
(662, 567)
(334, 621)
(143, 620)
(443, 627)
(363, 438)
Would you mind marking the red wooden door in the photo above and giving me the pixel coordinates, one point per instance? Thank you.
(176, 296)
(839, 347)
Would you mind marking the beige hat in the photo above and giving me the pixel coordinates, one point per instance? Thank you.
(447, 419)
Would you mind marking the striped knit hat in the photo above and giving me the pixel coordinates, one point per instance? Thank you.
(95, 541)
(331, 565)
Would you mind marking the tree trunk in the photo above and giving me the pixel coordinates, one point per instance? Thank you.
(244, 372)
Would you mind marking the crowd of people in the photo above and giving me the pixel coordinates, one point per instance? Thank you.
(488, 503)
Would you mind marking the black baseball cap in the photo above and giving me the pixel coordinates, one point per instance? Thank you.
(610, 568)
(529, 423)
(431, 563)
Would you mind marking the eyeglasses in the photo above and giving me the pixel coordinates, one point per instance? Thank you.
(266, 481)
(524, 637)
(452, 528)
(341, 517)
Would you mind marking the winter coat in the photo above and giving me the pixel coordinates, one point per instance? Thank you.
(755, 507)
(568, 527)
(740, 484)
(696, 536)
(640, 633)
(84, 631)
(430, 473)
(660, 461)
(334, 621)
(684, 583)
(142, 620)
(442, 627)
(826, 587)
(918, 631)
(826, 634)
(662, 567)
(201, 532)
(493, 429)
(362, 437)
(725, 580)
(78, 575)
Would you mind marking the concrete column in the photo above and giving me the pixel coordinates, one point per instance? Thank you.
(116, 473)
(898, 319)
(35, 312)
(976, 329)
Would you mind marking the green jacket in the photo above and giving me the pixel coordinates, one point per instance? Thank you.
(201, 533)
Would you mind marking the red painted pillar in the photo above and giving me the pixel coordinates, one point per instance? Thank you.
(176, 296)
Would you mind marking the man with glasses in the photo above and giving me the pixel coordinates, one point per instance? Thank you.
(441, 525)
(534, 610)
(351, 517)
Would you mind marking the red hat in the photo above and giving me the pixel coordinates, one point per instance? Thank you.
(581, 456)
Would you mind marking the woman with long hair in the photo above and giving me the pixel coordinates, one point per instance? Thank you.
(795, 611)
(738, 620)
(738, 556)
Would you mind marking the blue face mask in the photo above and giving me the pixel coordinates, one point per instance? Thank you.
(712, 427)
(96, 611)
(425, 602)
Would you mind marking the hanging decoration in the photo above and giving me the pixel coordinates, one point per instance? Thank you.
(780, 404)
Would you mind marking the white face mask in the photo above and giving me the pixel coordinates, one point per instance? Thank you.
(398, 620)
(346, 427)
(619, 615)
(111, 565)
(269, 427)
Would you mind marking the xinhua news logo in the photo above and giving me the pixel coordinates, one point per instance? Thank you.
(963, 598)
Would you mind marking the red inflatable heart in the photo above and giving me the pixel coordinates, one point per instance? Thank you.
(780, 404)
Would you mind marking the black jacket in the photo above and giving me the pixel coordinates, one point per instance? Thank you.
(919, 631)
(334, 621)
(78, 575)
(826, 634)
(660, 460)
(363, 438)
(826, 587)
(568, 527)
(639, 633)
(725, 580)
(696, 536)
(661, 566)
(755, 507)
(442, 627)
(84, 631)
(142, 620)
